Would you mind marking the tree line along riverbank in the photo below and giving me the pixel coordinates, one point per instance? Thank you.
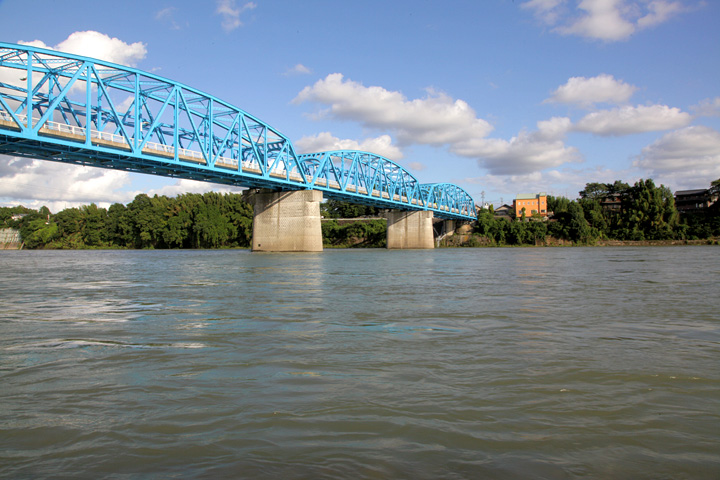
(647, 215)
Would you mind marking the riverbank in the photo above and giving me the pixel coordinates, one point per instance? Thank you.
(656, 243)
(10, 239)
(469, 240)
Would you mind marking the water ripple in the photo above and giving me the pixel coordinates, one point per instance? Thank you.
(476, 363)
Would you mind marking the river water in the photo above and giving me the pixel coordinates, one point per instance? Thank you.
(452, 363)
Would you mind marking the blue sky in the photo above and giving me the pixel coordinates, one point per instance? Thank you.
(498, 96)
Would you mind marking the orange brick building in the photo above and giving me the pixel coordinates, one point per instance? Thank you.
(532, 203)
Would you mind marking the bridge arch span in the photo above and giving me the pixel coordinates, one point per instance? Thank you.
(362, 177)
(69, 108)
(448, 197)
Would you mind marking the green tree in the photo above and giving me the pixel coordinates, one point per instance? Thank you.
(715, 187)
(181, 229)
(595, 216)
(618, 187)
(537, 231)
(179, 223)
(371, 233)
(211, 229)
(69, 221)
(558, 226)
(494, 229)
(330, 232)
(5, 215)
(340, 209)
(39, 232)
(517, 233)
(595, 191)
(240, 215)
(94, 225)
(578, 228)
(485, 220)
(649, 212)
(557, 204)
(148, 220)
(45, 212)
(119, 226)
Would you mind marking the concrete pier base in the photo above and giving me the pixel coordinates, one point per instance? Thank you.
(286, 221)
(406, 230)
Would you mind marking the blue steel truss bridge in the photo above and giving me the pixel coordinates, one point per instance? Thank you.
(68, 108)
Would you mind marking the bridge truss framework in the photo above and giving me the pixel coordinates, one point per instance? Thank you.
(68, 108)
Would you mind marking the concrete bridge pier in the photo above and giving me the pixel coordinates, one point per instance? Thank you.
(448, 227)
(406, 230)
(286, 221)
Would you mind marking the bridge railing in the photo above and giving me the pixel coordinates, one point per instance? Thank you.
(114, 140)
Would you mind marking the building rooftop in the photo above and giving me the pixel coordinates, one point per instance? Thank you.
(691, 192)
(529, 196)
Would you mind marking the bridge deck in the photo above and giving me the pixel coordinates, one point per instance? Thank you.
(78, 134)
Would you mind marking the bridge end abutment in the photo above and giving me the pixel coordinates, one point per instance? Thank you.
(286, 221)
(409, 230)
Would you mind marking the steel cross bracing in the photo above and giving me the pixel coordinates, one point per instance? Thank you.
(367, 178)
(68, 108)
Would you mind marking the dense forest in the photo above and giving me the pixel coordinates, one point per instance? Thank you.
(213, 220)
(210, 220)
(191, 220)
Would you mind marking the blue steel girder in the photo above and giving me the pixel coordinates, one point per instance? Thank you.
(364, 177)
(448, 197)
(69, 108)
(84, 109)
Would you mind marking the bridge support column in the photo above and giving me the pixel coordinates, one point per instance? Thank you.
(287, 221)
(406, 230)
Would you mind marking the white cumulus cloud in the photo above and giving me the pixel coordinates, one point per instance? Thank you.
(35, 183)
(436, 119)
(660, 12)
(298, 69)
(586, 92)
(325, 141)
(602, 19)
(605, 20)
(230, 13)
(545, 10)
(98, 45)
(686, 158)
(709, 107)
(440, 120)
(89, 44)
(629, 120)
(553, 129)
(526, 152)
(566, 182)
(167, 16)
